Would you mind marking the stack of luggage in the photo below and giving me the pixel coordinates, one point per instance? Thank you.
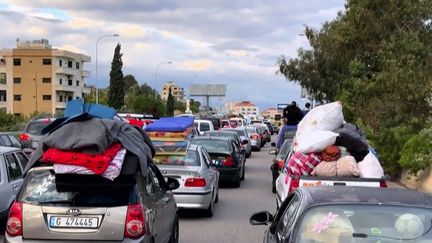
(92, 150)
(326, 145)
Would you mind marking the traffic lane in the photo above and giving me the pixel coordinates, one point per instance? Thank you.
(230, 222)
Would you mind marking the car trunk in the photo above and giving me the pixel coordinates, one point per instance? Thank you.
(64, 223)
(223, 160)
(180, 173)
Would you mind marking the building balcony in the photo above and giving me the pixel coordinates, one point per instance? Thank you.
(67, 88)
(65, 70)
(60, 105)
(85, 73)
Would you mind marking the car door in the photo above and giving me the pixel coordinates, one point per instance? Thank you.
(15, 142)
(15, 173)
(6, 141)
(286, 220)
(23, 159)
(6, 191)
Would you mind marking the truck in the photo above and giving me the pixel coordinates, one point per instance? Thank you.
(286, 183)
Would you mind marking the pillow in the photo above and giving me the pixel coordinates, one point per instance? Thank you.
(347, 166)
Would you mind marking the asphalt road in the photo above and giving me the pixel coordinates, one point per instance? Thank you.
(230, 222)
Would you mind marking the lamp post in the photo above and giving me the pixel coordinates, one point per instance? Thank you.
(156, 70)
(97, 42)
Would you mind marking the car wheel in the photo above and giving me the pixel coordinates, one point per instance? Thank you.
(217, 196)
(175, 231)
(210, 210)
(259, 148)
(237, 181)
(273, 188)
(243, 173)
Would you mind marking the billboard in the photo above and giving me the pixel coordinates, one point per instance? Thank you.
(207, 90)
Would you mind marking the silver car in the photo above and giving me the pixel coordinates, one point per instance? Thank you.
(198, 179)
(78, 208)
(33, 132)
(244, 136)
(255, 138)
(12, 163)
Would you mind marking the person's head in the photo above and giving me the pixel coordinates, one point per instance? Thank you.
(308, 105)
(293, 103)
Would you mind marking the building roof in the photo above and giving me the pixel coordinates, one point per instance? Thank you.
(245, 103)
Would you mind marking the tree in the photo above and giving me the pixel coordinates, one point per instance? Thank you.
(116, 93)
(170, 103)
(375, 57)
(129, 81)
(194, 105)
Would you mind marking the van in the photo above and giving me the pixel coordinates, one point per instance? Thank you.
(203, 126)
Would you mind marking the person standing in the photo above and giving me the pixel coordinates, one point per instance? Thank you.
(292, 114)
(307, 108)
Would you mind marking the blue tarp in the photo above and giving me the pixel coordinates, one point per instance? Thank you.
(77, 107)
(170, 124)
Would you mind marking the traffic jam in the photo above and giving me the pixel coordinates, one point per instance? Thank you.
(102, 176)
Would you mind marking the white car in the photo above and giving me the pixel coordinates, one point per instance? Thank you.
(203, 126)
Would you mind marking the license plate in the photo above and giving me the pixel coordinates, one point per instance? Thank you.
(74, 222)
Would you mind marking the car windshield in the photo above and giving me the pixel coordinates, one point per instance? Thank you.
(365, 223)
(36, 127)
(190, 159)
(221, 134)
(40, 188)
(238, 131)
(213, 145)
(285, 148)
(251, 130)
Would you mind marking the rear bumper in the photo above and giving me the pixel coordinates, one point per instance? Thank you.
(19, 239)
(188, 200)
(229, 174)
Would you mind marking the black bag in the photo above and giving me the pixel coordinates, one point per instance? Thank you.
(354, 144)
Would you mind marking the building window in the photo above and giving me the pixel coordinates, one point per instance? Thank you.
(60, 63)
(70, 98)
(2, 78)
(17, 97)
(17, 61)
(17, 80)
(61, 81)
(77, 65)
(17, 114)
(70, 82)
(2, 61)
(46, 97)
(61, 98)
(77, 97)
(46, 61)
(46, 80)
(70, 64)
(77, 82)
(2, 95)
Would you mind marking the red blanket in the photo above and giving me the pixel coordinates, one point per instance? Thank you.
(97, 163)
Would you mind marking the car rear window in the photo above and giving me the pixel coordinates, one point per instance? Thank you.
(40, 189)
(251, 130)
(213, 145)
(190, 159)
(238, 131)
(365, 223)
(36, 127)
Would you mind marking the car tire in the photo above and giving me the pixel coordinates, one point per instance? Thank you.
(217, 196)
(210, 210)
(259, 148)
(174, 238)
(243, 173)
(273, 188)
(237, 181)
(248, 155)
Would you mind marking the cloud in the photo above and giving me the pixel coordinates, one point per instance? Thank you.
(195, 65)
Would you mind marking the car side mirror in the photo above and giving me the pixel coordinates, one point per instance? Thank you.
(172, 183)
(245, 141)
(273, 144)
(273, 152)
(261, 218)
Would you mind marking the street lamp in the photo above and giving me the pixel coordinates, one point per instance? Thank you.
(97, 42)
(156, 70)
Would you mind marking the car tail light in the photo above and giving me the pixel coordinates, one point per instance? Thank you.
(280, 164)
(228, 161)
(135, 222)
(383, 183)
(255, 137)
(294, 184)
(195, 182)
(24, 137)
(14, 224)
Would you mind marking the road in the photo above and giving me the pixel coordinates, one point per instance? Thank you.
(230, 222)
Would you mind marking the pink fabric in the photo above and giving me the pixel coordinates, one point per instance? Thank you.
(112, 172)
(302, 164)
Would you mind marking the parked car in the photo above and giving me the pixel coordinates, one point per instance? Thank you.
(270, 127)
(278, 160)
(198, 178)
(241, 122)
(266, 131)
(350, 214)
(224, 157)
(132, 209)
(263, 134)
(12, 164)
(241, 131)
(33, 132)
(256, 142)
(203, 126)
(10, 140)
(217, 122)
(236, 138)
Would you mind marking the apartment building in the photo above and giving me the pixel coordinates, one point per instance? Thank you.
(176, 91)
(247, 108)
(271, 113)
(34, 77)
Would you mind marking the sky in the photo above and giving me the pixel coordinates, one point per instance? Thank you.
(232, 42)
